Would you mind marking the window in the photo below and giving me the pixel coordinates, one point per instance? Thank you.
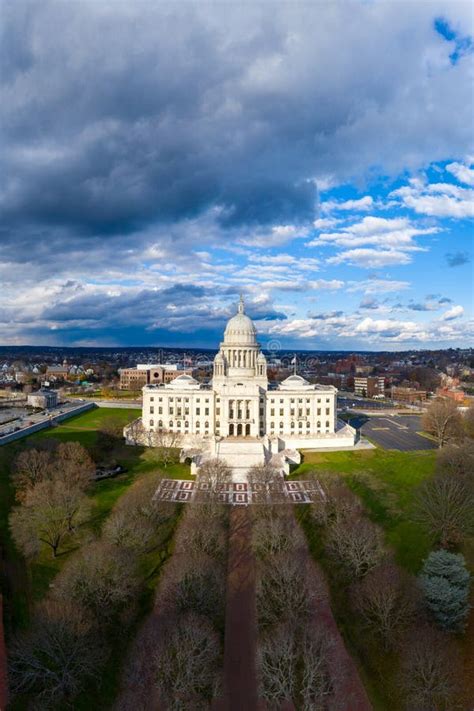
(300, 399)
(152, 398)
(186, 424)
(281, 411)
(300, 424)
(281, 426)
(327, 399)
(272, 411)
(307, 412)
(171, 424)
(160, 424)
(307, 425)
(327, 424)
(198, 425)
(206, 425)
(160, 399)
(319, 410)
(171, 411)
(198, 410)
(151, 423)
(160, 410)
(328, 411)
(218, 410)
(152, 410)
(206, 411)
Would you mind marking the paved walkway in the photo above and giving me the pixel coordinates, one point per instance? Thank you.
(240, 680)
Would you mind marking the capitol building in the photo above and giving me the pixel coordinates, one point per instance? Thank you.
(240, 416)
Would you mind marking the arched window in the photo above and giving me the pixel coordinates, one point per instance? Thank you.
(206, 425)
(171, 424)
(160, 423)
(319, 424)
(281, 426)
(151, 423)
(178, 424)
(186, 424)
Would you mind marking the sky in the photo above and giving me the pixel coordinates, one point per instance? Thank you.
(159, 159)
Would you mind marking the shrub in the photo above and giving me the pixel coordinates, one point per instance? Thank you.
(445, 582)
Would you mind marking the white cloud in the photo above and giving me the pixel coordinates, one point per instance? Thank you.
(452, 313)
(327, 284)
(378, 286)
(462, 172)
(371, 258)
(437, 199)
(324, 223)
(364, 203)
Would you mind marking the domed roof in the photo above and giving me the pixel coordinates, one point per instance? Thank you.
(240, 328)
(295, 381)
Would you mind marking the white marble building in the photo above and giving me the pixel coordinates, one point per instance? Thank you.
(240, 416)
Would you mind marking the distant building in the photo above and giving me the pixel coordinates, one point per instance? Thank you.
(149, 374)
(369, 386)
(43, 399)
(409, 395)
(452, 393)
(364, 369)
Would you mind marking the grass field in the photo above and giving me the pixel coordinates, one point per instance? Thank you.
(385, 480)
(24, 584)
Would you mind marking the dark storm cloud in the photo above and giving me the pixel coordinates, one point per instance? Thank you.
(120, 115)
(457, 259)
(182, 307)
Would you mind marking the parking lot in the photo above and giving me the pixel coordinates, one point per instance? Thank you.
(395, 432)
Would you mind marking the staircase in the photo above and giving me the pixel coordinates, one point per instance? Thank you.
(240, 455)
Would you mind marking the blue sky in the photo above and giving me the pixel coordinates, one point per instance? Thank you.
(162, 158)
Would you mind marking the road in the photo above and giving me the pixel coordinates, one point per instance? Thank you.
(395, 432)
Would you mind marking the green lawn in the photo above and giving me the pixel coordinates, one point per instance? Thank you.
(27, 583)
(385, 480)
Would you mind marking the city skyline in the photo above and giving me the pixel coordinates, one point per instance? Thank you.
(321, 166)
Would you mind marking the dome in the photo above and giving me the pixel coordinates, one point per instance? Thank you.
(240, 328)
(294, 381)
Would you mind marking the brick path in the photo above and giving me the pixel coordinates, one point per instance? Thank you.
(240, 681)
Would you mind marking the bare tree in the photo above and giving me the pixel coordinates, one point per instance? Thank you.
(443, 420)
(101, 578)
(275, 533)
(200, 533)
(30, 467)
(337, 502)
(356, 543)
(277, 658)
(166, 443)
(445, 506)
(456, 459)
(56, 656)
(284, 590)
(136, 432)
(50, 512)
(430, 670)
(388, 600)
(73, 465)
(316, 676)
(215, 475)
(194, 584)
(186, 664)
(136, 522)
